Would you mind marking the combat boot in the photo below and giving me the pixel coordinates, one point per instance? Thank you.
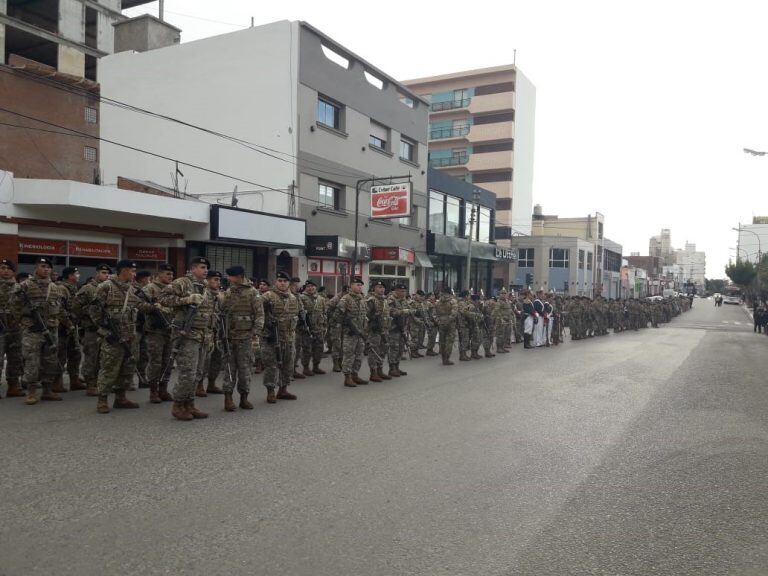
(336, 365)
(258, 367)
(194, 412)
(475, 355)
(165, 396)
(297, 375)
(348, 382)
(212, 388)
(91, 389)
(32, 396)
(374, 377)
(447, 361)
(490, 355)
(122, 402)
(308, 371)
(200, 391)
(229, 404)
(102, 406)
(401, 372)
(14, 390)
(357, 380)
(75, 383)
(527, 341)
(179, 411)
(283, 394)
(244, 404)
(154, 393)
(271, 398)
(382, 375)
(393, 372)
(317, 369)
(431, 353)
(463, 357)
(416, 354)
(58, 385)
(48, 393)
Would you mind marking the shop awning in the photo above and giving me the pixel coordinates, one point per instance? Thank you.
(423, 260)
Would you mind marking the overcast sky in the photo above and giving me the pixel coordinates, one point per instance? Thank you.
(643, 108)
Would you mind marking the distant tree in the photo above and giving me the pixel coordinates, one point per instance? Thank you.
(742, 273)
(714, 286)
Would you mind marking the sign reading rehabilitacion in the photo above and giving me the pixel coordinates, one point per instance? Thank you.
(391, 201)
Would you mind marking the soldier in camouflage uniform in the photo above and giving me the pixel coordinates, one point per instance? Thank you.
(504, 319)
(487, 325)
(242, 312)
(258, 365)
(431, 324)
(334, 329)
(143, 279)
(418, 323)
(212, 361)
(37, 307)
(446, 313)
(281, 313)
(379, 324)
(314, 338)
(466, 323)
(352, 315)
(193, 309)
(10, 336)
(301, 332)
(400, 314)
(476, 328)
(69, 342)
(80, 308)
(114, 310)
(157, 335)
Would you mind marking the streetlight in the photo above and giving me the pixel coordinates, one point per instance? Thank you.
(759, 247)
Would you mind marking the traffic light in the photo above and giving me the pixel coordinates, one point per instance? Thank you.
(529, 279)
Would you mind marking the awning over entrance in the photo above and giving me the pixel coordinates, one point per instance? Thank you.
(423, 260)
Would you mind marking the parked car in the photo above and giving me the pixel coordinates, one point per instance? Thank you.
(732, 300)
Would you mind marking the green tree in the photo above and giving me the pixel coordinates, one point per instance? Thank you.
(742, 273)
(714, 286)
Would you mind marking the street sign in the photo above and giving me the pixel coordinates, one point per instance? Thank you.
(391, 201)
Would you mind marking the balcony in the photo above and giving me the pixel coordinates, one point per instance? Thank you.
(454, 160)
(450, 105)
(446, 133)
(492, 103)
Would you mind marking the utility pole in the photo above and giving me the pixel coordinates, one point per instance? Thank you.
(475, 200)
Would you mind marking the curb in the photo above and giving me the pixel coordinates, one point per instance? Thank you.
(747, 312)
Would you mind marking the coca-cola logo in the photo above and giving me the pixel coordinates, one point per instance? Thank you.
(388, 202)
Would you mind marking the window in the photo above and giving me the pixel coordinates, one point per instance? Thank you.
(329, 195)
(495, 147)
(559, 258)
(462, 94)
(494, 118)
(436, 212)
(452, 216)
(600, 230)
(589, 260)
(407, 150)
(581, 259)
(503, 176)
(484, 226)
(525, 258)
(495, 88)
(379, 136)
(90, 154)
(503, 203)
(91, 115)
(328, 114)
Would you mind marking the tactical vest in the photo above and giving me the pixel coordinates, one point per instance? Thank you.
(45, 296)
(239, 309)
(380, 321)
(355, 312)
(282, 308)
(121, 304)
(7, 287)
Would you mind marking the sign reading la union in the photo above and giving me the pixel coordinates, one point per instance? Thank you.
(391, 200)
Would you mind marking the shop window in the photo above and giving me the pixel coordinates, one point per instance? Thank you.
(401, 270)
(389, 270)
(375, 269)
(436, 212)
(452, 216)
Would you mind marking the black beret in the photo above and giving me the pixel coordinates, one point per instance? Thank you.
(310, 283)
(214, 274)
(166, 268)
(264, 281)
(103, 267)
(200, 260)
(9, 263)
(400, 286)
(358, 280)
(68, 271)
(295, 279)
(321, 289)
(282, 276)
(43, 260)
(21, 276)
(125, 264)
(420, 292)
(143, 274)
(379, 283)
(236, 270)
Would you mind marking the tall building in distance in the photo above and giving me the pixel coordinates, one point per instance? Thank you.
(661, 247)
(481, 130)
(693, 265)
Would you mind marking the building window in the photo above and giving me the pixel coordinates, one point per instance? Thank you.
(90, 153)
(452, 216)
(495, 147)
(407, 150)
(483, 177)
(499, 88)
(600, 230)
(91, 115)
(329, 195)
(589, 260)
(525, 257)
(484, 226)
(328, 114)
(559, 258)
(581, 259)
(379, 136)
(436, 212)
(503, 203)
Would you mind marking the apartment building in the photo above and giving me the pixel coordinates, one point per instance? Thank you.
(693, 264)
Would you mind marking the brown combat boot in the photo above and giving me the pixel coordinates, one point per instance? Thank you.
(283, 394)
(431, 353)
(200, 391)
(393, 372)
(401, 372)
(229, 404)
(75, 383)
(374, 377)
(154, 393)
(102, 405)
(121, 401)
(357, 380)
(32, 396)
(194, 412)
(179, 411)
(49, 395)
(317, 369)
(490, 355)
(297, 375)
(271, 398)
(244, 404)
(416, 354)
(258, 367)
(308, 371)
(14, 390)
(58, 385)
(212, 388)
(165, 396)
(475, 356)
(348, 382)
(447, 361)
(91, 389)
(336, 365)
(382, 375)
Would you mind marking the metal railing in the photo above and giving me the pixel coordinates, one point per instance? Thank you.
(453, 132)
(450, 105)
(455, 160)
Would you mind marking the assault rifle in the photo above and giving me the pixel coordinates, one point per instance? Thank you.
(273, 334)
(40, 325)
(164, 323)
(181, 330)
(226, 349)
(110, 325)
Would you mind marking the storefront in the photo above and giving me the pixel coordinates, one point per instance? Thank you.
(329, 261)
(393, 265)
(62, 250)
(449, 259)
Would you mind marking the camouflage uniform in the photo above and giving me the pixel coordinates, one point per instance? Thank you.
(352, 315)
(70, 353)
(243, 314)
(212, 359)
(313, 340)
(466, 326)
(39, 347)
(90, 344)
(504, 319)
(379, 324)
(157, 335)
(10, 339)
(431, 327)
(300, 335)
(282, 310)
(334, 332)
(418, 325)
(399, 314)
(487, 325)
(447, 313)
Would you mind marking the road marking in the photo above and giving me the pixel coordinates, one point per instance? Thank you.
(724, 321)
(736, 322)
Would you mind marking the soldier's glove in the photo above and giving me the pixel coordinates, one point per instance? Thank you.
(192, 300)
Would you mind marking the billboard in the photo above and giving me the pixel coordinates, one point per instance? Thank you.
(391, 201)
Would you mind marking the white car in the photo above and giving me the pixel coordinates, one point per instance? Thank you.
(732, 300)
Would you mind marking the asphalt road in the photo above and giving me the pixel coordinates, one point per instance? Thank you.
(636, 453)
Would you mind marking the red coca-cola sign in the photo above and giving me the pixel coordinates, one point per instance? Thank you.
(391, 200)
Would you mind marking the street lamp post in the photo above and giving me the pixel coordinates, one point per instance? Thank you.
(475, 206)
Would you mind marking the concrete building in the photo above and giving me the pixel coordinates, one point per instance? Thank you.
(482, 130)
(693, 265)
(300, 120)
(653, 267)
(563, 264)
(661, 247)
(634, 282)
(752, 241)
